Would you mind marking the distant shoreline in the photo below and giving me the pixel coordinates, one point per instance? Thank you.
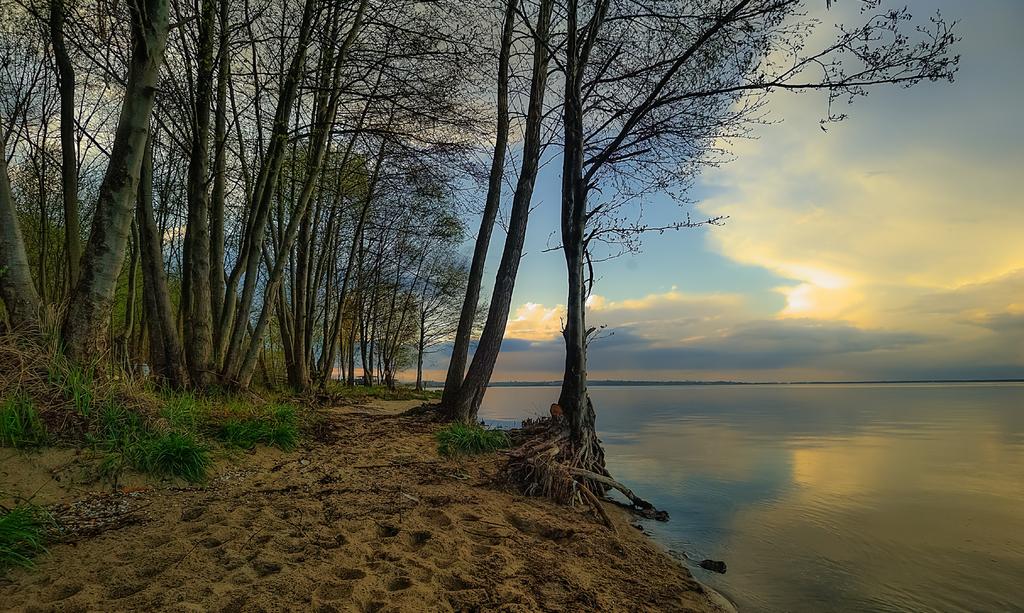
(626, 383)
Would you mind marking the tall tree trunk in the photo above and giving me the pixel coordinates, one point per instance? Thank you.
(217, 284)
(85, 328)
(261, 200)
(467, 317)
(329, 95)
(129, 301)
(165, 351)
(198, 311)
(21, 300)
(420, 348)
(471, 393)
(68, 145)
(573, 398)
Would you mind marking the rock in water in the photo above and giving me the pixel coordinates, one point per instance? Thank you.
(717, 566)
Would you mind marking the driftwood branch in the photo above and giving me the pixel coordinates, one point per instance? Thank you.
(637, 501)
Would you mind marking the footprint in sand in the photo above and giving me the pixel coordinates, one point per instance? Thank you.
(387, 531)
(333, 592)
(416, 539)
(399, 583)
(120, 588)
(437, 518)
(61, 591)
(349, 574)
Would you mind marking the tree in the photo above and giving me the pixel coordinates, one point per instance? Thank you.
(86, 324)
(638, 117)
(467, 403)
(468, 314)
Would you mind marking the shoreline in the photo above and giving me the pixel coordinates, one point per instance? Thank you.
(363, 516)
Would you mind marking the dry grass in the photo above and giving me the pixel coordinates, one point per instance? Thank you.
(66, 395)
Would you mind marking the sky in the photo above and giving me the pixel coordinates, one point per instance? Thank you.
(890, 247)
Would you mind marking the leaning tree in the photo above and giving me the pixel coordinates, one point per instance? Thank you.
(650, 91)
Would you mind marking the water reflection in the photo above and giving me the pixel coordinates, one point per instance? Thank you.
(835, 498)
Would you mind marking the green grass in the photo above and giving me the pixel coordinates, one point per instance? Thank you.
(128, 442)
(277, 426)
(75, 383)
(184, 411)
(20, 426)
(21, 535)
(462, 439)
(175, 454)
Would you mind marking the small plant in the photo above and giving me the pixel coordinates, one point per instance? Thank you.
(74, 382)
(22, 532)
(184, 411)
(278, 427)
(463, 439)
(175, 454)
(20, 426)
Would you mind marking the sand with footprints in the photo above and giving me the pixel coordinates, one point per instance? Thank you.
(364, 516)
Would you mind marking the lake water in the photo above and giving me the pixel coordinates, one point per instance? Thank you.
(825, 497)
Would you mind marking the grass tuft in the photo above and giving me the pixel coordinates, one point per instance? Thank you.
(20, 426)
(76, 384)
(22, 532)
(277, 427)
(184, 411)
(175, 454)
(462, 439)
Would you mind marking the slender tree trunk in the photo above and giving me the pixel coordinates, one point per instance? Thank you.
(165, 351)
(420, 348)
(199, 310)
(471, 392)
(460, 349)
(129, 302)
(16, 288)
(573, 398)
(217, 285)
(266, 185)
(68, 144)
(85, 328)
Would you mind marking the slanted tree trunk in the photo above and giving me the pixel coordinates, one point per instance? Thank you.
(261, 200)
(68, 146)
(467, 317)
(21, 300)
(471, 393)
(87, 321)
(165, 352)
(327, 104)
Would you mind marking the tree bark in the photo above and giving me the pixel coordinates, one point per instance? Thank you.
(471, 393)
(573, 398)
(68, 145)
(165, 351)
(85, 328)
(467, 317)
(217, 282)
(198, 311)
(21, 300)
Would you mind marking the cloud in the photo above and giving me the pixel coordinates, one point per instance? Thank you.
(533, 321)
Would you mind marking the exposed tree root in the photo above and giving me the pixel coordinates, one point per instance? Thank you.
(547, 463)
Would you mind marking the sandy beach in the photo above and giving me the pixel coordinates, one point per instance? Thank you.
(363, 516)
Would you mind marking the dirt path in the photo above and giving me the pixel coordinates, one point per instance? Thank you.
(365, 518)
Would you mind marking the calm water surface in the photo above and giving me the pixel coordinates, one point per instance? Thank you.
(826, 497)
